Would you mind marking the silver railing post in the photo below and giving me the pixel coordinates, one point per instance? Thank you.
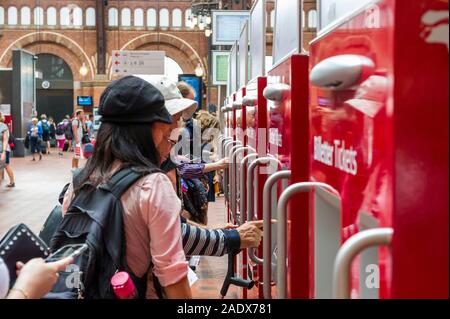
(285, 197)
(267, 237)
(349, 250)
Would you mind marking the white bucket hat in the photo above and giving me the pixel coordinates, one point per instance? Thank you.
(174, 101)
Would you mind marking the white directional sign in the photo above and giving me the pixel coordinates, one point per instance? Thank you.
(138, 62)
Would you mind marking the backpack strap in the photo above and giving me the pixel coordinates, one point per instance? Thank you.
(122, 180)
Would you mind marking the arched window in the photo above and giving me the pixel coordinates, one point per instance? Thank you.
(125, 17)
(164, 18)
(113, 17)
(272, 19)
(77, 16)
(138, 17)
(151, 18)
(25, 16)
(177, 18)
(312, 19)
(12, 16)
(90, 17)
(303, 19)
(64, 16)
(51, 16)
(38, 14)
(187, 18)
(2, 16)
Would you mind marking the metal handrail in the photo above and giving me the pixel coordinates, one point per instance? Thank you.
(221, 141)
(282, 226)
(233, 198)
(267, 237)
(250, 200)
(230, 150)
(224, 144)
(243, 198)
(349, 250)
(226, 174)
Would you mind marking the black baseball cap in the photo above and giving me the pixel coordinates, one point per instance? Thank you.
(133, 100)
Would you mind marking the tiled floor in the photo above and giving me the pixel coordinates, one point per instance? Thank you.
(38, 185)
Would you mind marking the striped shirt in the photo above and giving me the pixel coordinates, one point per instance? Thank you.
(204, 242)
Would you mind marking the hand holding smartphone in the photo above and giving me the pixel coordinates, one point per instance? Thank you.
(67, 251)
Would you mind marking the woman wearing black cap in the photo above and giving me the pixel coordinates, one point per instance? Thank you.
(135, 132)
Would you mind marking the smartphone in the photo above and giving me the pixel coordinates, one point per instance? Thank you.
(67, 251)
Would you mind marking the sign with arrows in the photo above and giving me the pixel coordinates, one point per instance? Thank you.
(138, 62)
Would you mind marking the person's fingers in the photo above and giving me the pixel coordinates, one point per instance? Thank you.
(258, 231)
(230, 226)
(257, 223)
(61, 264)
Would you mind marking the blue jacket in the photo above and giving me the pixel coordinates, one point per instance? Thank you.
(40, 131)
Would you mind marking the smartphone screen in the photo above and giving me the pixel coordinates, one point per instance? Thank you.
(66, 251)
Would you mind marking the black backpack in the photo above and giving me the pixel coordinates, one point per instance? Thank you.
(45, 127)
(60, 128)
(195, 200)
(68, 131)
(95, 217)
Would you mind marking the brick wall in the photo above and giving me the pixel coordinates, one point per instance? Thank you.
(77, 45)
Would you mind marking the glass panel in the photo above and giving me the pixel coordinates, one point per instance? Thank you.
(64, 17)
(90, 17)
(12, 16)
(113, 17)
(126, 17)
(38, 16)
(51, 16)
(77, 16)
(25, 16)
(2, 16)
(177, 18)
(151, 18)
(138, 17)
(164, 18)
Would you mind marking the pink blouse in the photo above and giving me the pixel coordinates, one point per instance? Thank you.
(152, 230)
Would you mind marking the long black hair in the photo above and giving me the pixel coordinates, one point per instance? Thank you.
(131, 144)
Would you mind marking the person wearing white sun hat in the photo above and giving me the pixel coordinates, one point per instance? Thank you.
(220, 239)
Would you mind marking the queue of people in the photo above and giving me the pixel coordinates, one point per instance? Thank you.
(139, 115)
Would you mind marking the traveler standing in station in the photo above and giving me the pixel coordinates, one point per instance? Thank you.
(188, 92)
(77, 129)
(90, 125)
(5, 150)
(35, 135)
(52, 125)
(135, 132)
(199, 239)
(45, 128)
(60, 135)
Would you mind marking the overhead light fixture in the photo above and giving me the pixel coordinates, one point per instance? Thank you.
(83, 70)
(208, 20)
(201, 26)
(208, 32)
(199, 71)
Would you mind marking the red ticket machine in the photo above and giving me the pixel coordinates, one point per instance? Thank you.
(241, 116)
(379, 136)
(236, 154)
(288, 136)
(256, 132)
